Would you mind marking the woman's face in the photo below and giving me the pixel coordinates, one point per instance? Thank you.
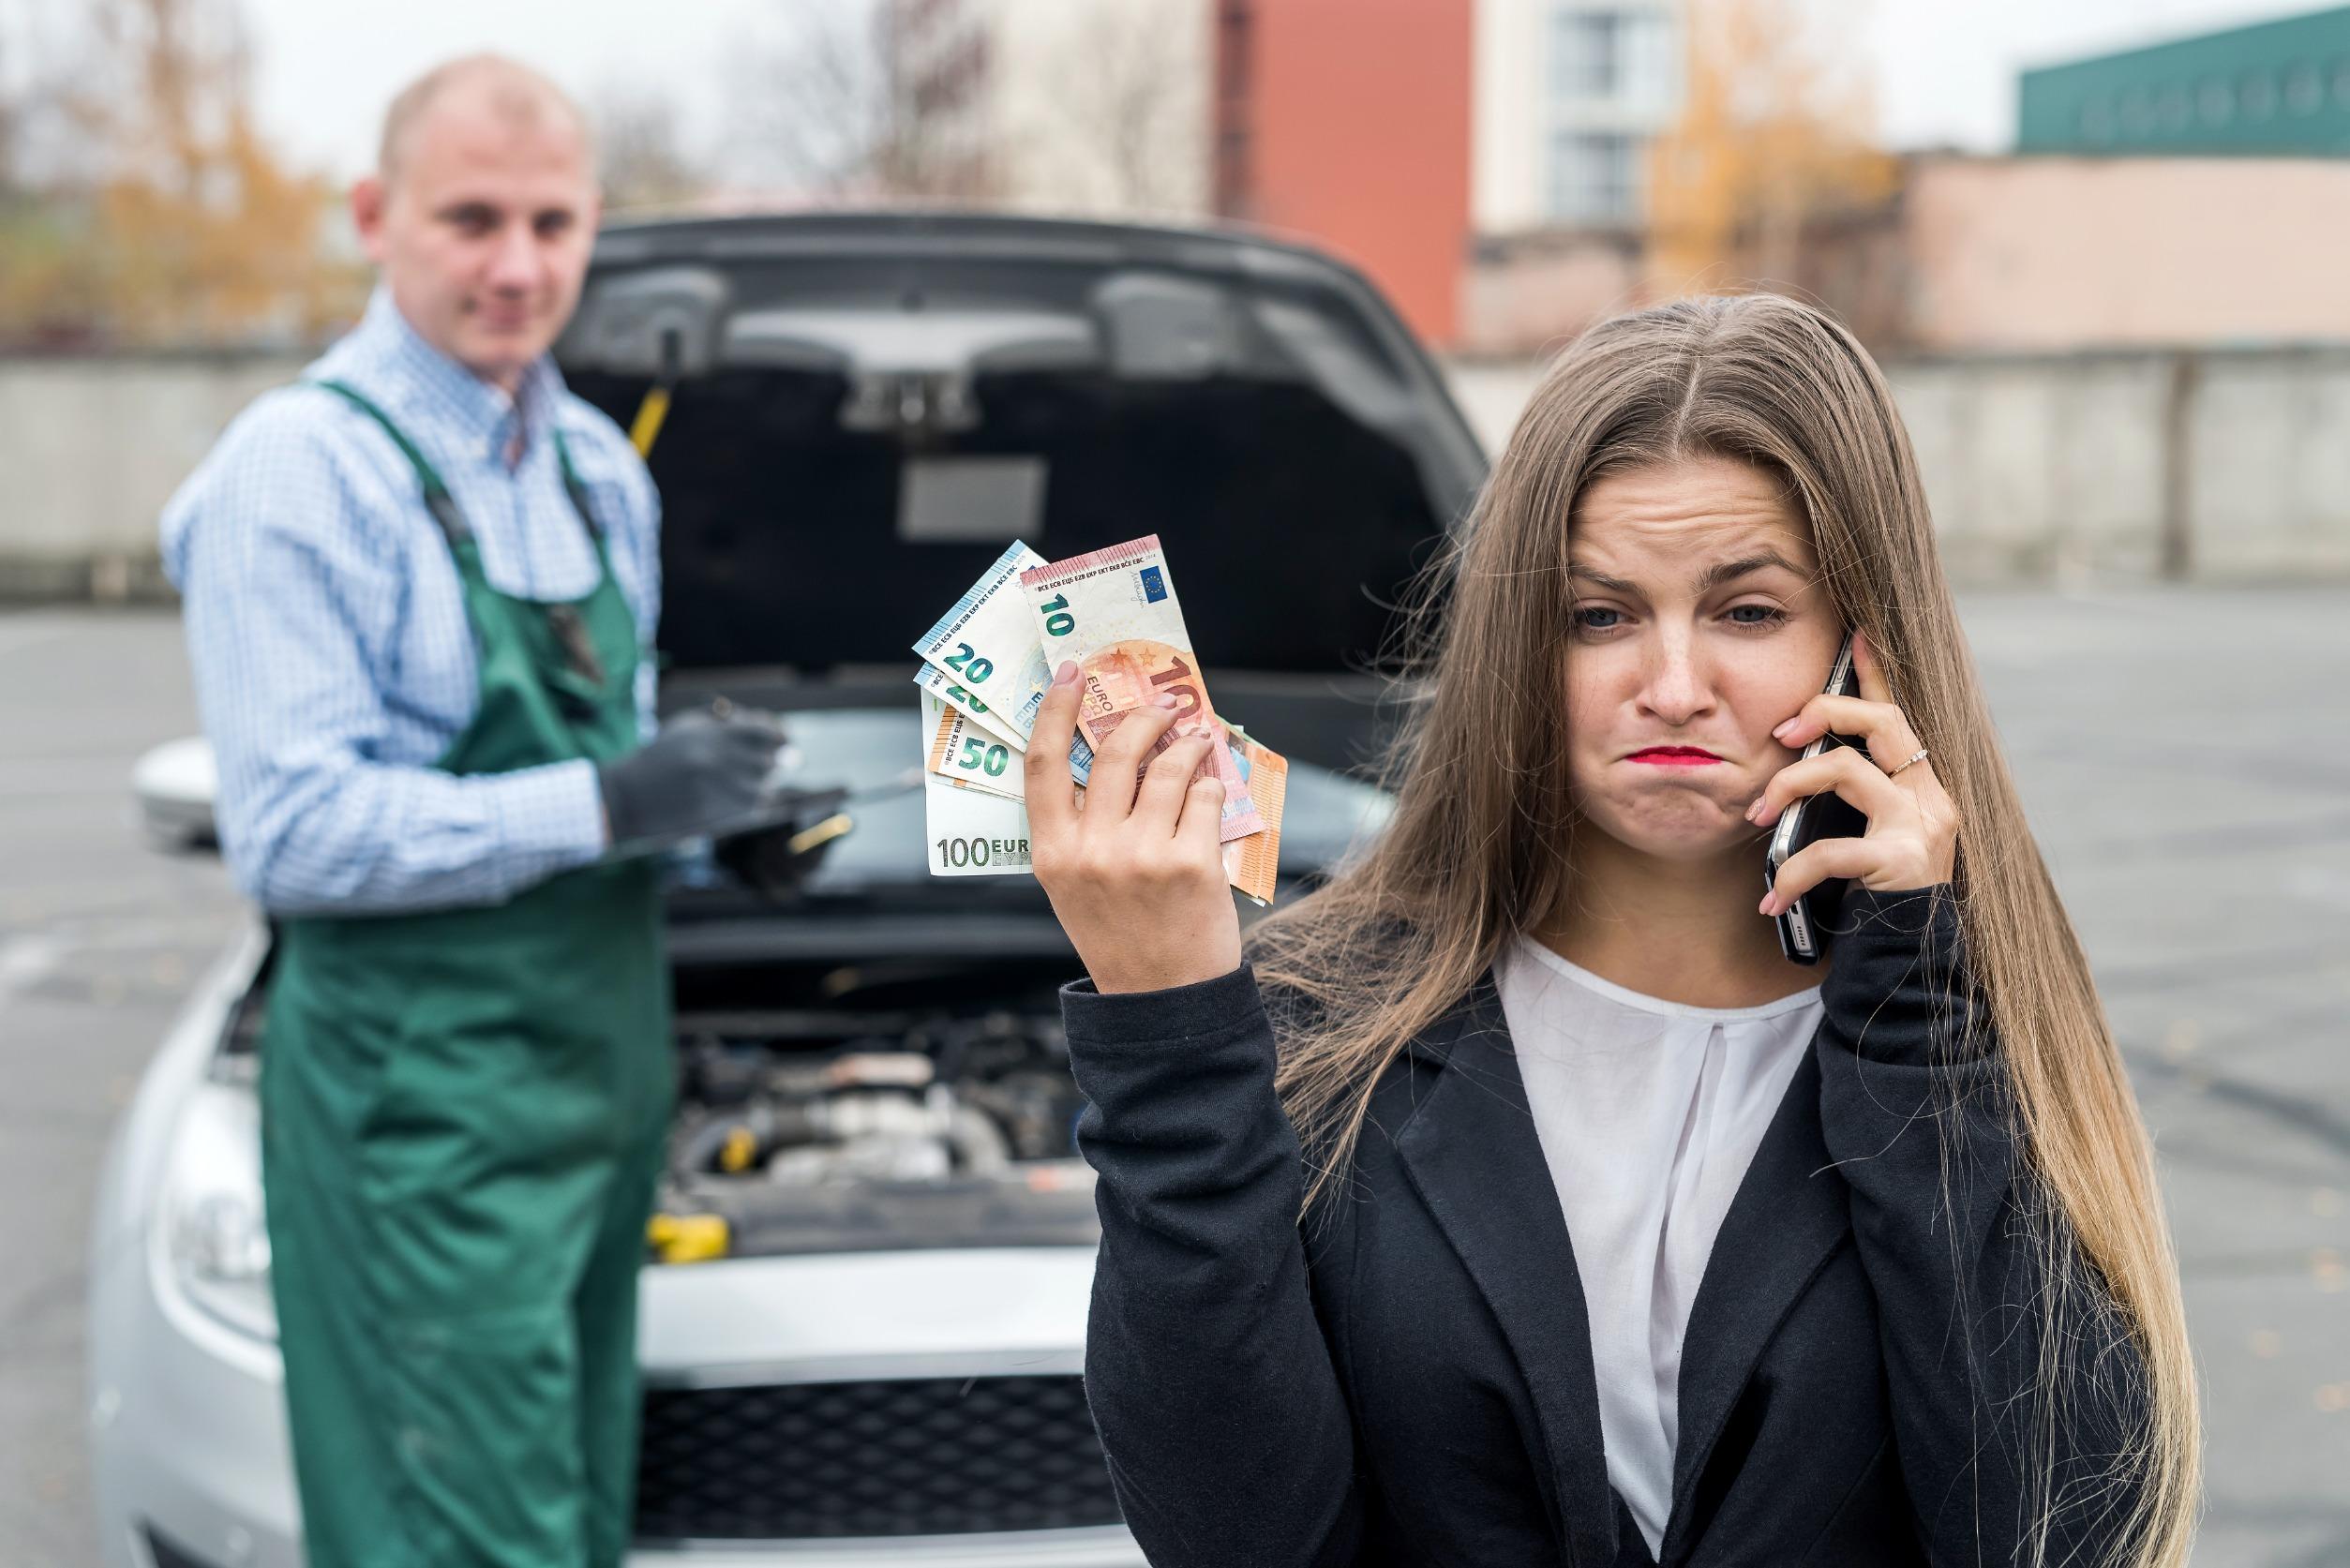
(1696, 628)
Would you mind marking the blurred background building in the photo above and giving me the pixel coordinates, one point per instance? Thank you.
(2121, 336)
(2276, 87)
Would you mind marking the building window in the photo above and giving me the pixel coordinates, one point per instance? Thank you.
(1624, 56)
(2171, 106)
(1586, 54)
(2137, 112)
(1592, 177)
(2216, 100)
(2258, 95)
(2304, 89)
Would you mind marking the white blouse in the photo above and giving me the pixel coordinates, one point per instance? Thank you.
(1649, 1113)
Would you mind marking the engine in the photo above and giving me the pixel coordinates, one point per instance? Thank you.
(945, 1099)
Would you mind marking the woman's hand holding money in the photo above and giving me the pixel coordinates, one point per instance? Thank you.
(1136, 876)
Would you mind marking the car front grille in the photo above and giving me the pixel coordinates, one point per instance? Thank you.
(880, 1458)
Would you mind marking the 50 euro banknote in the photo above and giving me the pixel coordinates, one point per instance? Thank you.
(960, 700)
(960, 750)
(975, 829)
(1115, 612)
(972, 831)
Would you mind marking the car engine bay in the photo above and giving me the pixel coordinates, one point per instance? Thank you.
(831, 1107)
(894, 1104)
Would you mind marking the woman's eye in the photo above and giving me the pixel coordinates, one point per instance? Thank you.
(1756, 614)
(1586, 618)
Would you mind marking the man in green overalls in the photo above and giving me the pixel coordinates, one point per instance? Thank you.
(420, 590)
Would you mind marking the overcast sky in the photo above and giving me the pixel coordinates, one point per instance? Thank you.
(1944, 69)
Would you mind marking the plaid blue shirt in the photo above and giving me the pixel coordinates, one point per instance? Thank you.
(326, 624)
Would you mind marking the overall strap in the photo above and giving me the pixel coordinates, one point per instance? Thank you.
(438, 501)
(575, 487)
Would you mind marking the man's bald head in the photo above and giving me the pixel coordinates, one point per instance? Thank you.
(483, 212)
(511, 92)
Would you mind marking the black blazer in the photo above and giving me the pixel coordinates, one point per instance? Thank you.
(1409, 1381)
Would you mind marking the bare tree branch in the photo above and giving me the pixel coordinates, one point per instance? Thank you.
(642, 151)
(825, 107)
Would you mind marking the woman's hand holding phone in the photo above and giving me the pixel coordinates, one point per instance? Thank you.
(1912, 837)
(1136, 875)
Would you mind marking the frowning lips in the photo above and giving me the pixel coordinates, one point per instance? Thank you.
(1675, 757)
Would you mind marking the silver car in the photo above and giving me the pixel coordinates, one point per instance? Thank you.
(865, 1305)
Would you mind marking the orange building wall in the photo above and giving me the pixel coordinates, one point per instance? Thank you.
(1347, 122)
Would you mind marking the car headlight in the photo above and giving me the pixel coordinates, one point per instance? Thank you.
(214, 1234)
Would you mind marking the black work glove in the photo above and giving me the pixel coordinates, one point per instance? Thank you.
(700, 771)
(773, 861)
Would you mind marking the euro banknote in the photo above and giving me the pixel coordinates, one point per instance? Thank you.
(976, 719)
(937, 683)
(988, 643)
(956, 696)
(962, 751)
(1251, 862)
(1116, 613)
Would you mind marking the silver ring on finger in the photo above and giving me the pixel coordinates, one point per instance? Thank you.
(1916, 757)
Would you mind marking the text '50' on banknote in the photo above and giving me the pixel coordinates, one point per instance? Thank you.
(972, 831)
(1115, 612)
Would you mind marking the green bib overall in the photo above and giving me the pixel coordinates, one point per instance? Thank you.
(462, 1120)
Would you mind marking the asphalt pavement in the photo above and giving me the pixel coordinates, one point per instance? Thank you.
(2184, 755)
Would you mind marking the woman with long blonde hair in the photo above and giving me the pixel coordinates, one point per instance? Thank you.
(1519, 1200)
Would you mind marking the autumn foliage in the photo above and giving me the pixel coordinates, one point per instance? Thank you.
(158, 214)
(1775, 135)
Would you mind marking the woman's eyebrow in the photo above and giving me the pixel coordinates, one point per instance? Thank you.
(1600, 579)
(1709, 579)
(1726, 570)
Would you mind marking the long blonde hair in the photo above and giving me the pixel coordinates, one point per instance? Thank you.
(1478, 847)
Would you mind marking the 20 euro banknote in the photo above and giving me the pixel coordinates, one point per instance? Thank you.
(983, 657)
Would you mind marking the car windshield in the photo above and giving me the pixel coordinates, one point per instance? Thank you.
(867, 753)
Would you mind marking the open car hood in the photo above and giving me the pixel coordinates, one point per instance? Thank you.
(867, 407)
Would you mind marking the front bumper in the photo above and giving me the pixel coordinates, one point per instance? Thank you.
(1056, 1548)
(189, 1430)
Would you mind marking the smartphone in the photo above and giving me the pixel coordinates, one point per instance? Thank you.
(1804, 924)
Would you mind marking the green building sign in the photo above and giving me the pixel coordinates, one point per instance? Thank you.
(2273, 88)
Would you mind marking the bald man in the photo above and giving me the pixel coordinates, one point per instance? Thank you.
(420, 593)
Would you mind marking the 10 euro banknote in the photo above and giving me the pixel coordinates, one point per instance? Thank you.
(1115, 612)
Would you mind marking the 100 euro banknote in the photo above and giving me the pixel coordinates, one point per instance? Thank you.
(971, 832)
(1115, 612)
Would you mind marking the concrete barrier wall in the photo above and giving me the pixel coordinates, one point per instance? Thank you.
(2224, 466)
(2216, 465)
(90, 449)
